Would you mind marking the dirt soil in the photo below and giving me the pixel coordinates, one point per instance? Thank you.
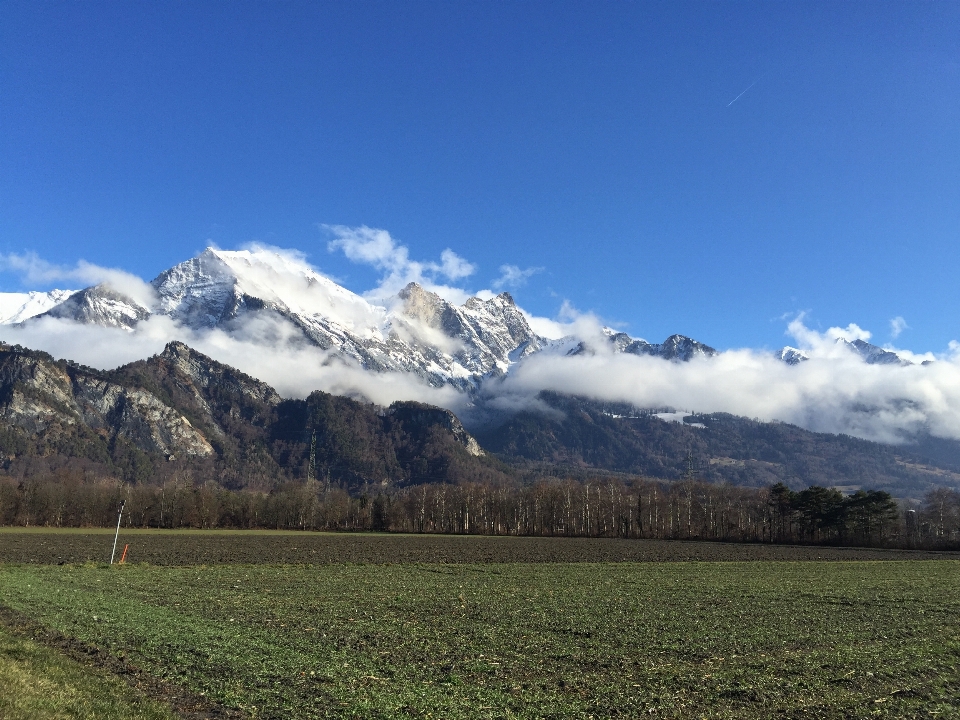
(213, 547)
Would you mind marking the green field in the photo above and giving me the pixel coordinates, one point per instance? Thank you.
(513, 640)
(39, 682)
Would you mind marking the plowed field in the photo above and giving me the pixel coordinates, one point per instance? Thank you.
(40, 546)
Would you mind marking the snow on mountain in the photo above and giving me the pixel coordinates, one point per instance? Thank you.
(873, 355)
(675, 347)
(100, 305)
(416, 331)
(218, 285)
(17, 307)
(792, 355)
(870, 354)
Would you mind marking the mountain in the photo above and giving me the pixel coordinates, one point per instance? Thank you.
(52, 407)
(675, 347)
(792, 355)
(17, 307)
(181, 412)
(415, 331)
(873, 355)
(182, 415)
(100, 305)
(582, 436)
(870, 354)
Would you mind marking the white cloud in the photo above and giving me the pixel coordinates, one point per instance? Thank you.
(374, 247)
(453, 266)
(33, 269)
(897, 326)
(569, 322)
(511, 276)
(838, 394)
(265, 347)
(825, 344)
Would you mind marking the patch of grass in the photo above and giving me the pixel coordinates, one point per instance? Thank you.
(37, 683)
(578, 640)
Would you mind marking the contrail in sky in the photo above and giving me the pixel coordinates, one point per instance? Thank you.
(747, 88)
(741, 94)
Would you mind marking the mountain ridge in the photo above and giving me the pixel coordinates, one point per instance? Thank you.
(416, 331)
(182, 414)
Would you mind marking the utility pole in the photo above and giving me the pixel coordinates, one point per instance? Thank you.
(117, 535)
(312, 467)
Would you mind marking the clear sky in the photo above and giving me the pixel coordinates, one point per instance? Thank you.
(701, 168)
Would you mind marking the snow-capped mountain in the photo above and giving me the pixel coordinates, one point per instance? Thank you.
(869, 353)
(416, 331)
(17, 307)
(873, 355)
(792, 355)
(675, 347)
(419, 332)
(100, 305)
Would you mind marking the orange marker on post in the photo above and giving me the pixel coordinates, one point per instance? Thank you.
(123, 557)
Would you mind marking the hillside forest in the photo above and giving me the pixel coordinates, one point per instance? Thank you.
(185, 441)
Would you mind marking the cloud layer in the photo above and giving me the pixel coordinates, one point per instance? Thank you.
(36, 271)
(834, 391)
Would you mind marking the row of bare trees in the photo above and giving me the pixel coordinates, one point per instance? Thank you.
(603, 507)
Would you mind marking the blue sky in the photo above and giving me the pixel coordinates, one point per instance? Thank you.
(702, 168)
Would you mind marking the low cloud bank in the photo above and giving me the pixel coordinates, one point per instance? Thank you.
(833, 391)
(267, 348)
(826, 394)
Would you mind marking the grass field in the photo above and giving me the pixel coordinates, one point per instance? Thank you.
(39, 682)
(525, 640)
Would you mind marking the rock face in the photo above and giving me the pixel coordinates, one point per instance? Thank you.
(873, 355)
(418, 415)
(678, 348)
(51, 400)
(182, 405)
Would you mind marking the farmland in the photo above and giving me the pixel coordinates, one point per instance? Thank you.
(202, 547)
(462, 628)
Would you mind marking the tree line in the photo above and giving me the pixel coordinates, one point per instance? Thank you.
(690, 509)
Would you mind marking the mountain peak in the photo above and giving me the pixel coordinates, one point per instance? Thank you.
(100, 305)
(873, 354)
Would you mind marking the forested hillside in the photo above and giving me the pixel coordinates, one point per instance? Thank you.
(182, 415)
(583, 435)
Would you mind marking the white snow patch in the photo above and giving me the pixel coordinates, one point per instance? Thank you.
(677, 417)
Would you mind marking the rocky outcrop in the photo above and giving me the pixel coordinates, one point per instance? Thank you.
(676, 347)
(417, 416)
(182, 405)
(49, 399)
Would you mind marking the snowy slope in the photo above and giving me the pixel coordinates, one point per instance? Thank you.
(869, 353)
(17, 307)
(416, 331)
(100, 305)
